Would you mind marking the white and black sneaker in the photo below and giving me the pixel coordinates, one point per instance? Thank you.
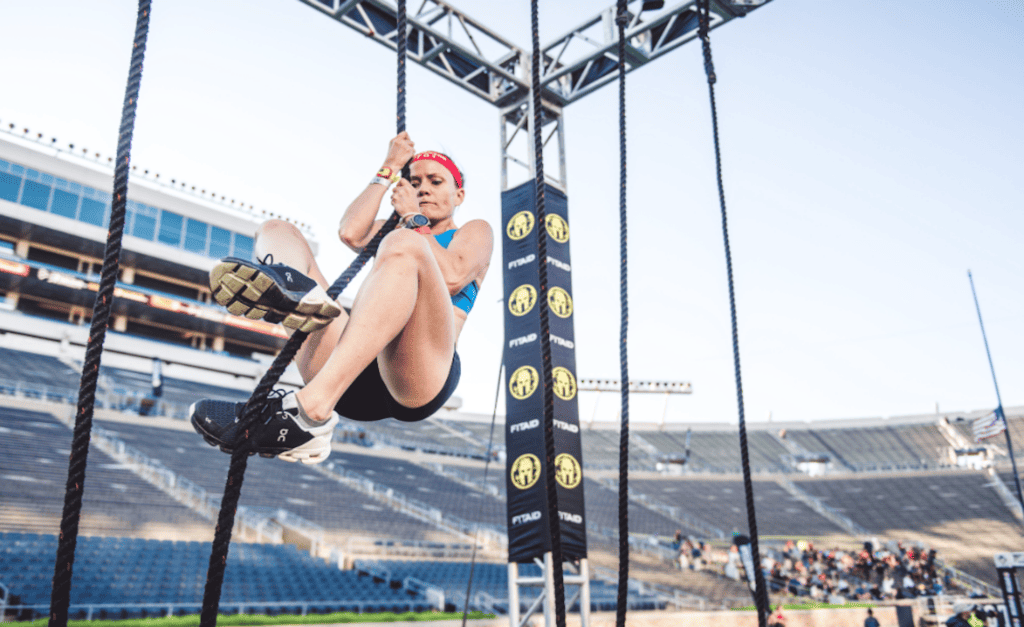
(279, 431)
(273, 292)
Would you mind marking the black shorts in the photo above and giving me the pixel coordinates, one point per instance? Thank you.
(368, 399)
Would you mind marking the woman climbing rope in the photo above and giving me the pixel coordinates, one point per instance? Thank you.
(394, 354)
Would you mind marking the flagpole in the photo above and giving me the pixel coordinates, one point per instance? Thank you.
(999, 409)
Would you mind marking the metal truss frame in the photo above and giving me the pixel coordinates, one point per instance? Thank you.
(452, 44)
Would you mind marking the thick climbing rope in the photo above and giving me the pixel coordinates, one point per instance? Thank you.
(622, 19)
(545, 328)
(60, 596)
(760, 590)
(255, 404)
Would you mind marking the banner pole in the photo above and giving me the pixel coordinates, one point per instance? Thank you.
(999, 409)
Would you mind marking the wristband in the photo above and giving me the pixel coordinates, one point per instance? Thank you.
(389, 174)
(380, 181)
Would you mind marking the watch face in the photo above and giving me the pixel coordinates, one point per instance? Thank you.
(416, 221)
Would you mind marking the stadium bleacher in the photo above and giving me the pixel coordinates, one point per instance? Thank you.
(421, 484)
(119, 574)
(33, 472)
(37, 376)
(182, 393)
(722, 503)
(271, 484)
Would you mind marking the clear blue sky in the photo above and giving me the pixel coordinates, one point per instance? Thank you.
(873, 152)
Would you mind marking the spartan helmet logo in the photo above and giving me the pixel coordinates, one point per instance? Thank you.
(557, 228)
(525, 471)
(560, 302)
(522, 299)
(564, 383)
(520, 225)
(523, 382)
(567, 471)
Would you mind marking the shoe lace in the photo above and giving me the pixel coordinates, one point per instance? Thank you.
(268, 260)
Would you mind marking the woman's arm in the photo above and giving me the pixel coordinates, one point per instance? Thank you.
(358, 224)
(467, 257)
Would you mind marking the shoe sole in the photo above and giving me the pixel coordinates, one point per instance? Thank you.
(242, 288)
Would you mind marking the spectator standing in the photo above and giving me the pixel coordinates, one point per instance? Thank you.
(871, 621)
(961, 612)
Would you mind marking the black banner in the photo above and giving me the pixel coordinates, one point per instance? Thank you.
(528, 535)
(1011, 594)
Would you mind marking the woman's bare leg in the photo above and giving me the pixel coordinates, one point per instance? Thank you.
(403, 314)
(289, 246)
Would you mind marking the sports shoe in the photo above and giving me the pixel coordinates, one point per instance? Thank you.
(279, 431)
(272, 291)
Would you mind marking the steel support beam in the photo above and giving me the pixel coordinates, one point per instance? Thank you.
(451, 44)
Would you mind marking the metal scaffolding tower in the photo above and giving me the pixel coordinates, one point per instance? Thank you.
(452, 44)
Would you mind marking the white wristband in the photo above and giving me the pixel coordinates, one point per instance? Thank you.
(380, 180)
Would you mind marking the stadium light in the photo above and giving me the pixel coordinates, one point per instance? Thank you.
(636, 387)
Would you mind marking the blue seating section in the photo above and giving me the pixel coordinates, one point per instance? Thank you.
(37, 376)
(132, 571)
(423, 485)
(271, 483)
(178, 391)
(34, 451)
(492, 579)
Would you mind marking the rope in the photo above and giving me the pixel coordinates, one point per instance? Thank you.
(545, 328)
(60, 596)
(480, 509)
(400, 32)
(760, 590)
(256, 402)
(621, 19)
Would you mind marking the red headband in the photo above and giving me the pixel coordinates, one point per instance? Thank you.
(443, 160)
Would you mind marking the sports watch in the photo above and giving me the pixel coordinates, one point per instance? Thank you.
(416, 221)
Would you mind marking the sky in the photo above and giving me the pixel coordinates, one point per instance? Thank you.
(873, 152)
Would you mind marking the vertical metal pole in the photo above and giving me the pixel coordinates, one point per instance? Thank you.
(585, 593)
(504, 150)
(999, 410)
(549, 590)
(513, 594)
(561, 151)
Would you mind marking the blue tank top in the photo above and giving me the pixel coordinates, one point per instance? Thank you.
(467, 296)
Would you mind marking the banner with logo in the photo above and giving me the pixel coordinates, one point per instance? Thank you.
(528, 526)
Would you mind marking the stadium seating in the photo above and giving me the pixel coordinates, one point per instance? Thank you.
(37, 376)
(428, 436)
(178, 392)
(34, 448)
(272, 484)
(421, 484)
(602, 509)
(722, 503)
(882, 503)
(122, 572)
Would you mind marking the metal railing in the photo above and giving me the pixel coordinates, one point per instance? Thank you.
(671, 511)
(415, 508)
(829, 513)
(193, 496)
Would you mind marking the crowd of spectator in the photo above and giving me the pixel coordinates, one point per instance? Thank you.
(869, 574)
